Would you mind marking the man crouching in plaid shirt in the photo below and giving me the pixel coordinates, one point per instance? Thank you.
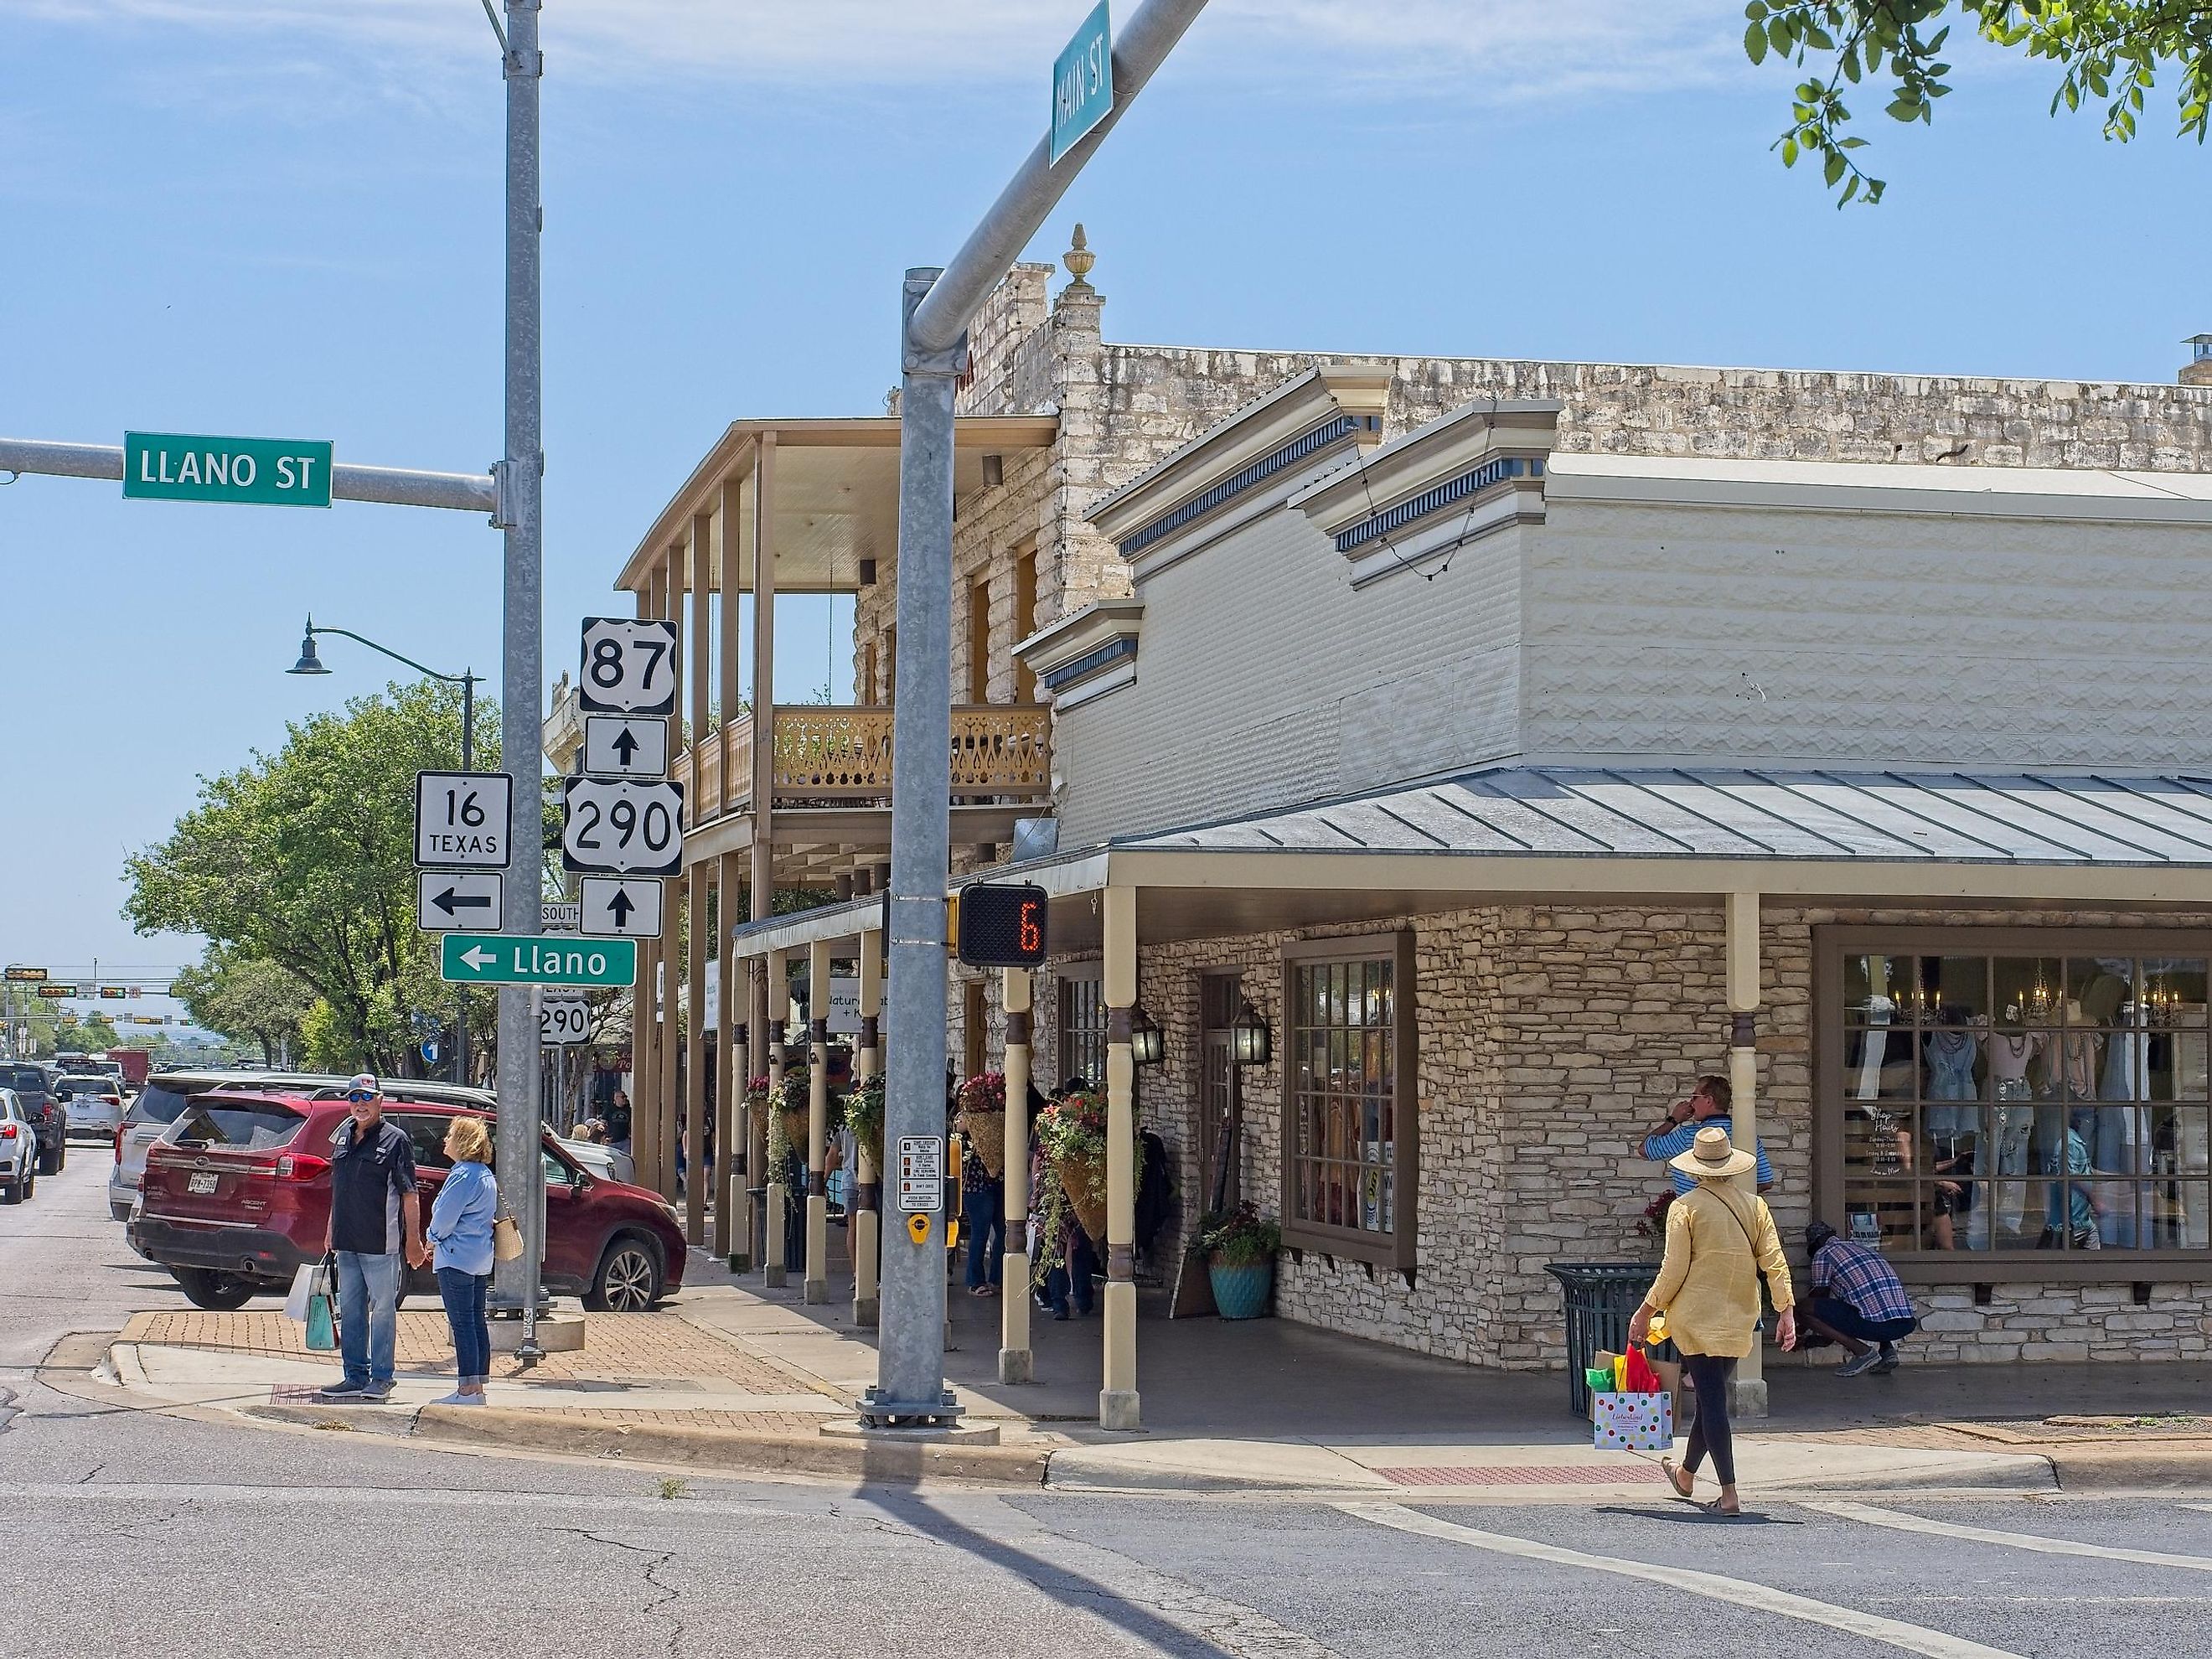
(1857, 1302)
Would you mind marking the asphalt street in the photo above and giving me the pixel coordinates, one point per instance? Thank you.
(148, 1532)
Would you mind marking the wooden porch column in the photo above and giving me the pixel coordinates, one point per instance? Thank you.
(763, 692)
(671, 1040)
(867, 1215)
(699, 657)
(773, 1272)
(1748, 1398)
(1117, 1399)
(756, 1169)
(696, 1180)
(816, 1289)
(1016, 1363)
(729, 537)
(645, 1032)
(729, 1078)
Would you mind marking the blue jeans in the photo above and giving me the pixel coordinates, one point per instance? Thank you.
(1071, 1279)
(464, 1296)
(981, 1211)
(368, 1315)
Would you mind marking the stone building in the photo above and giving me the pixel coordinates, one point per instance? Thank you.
(1511, 742)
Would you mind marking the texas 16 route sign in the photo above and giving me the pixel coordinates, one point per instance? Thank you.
(460, 819)
(622, 827)
(628, 667)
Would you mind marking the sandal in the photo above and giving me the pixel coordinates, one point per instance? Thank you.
(1713, 1509)
(1670, 1468)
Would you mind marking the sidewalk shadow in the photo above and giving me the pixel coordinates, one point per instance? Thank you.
(1683, 1513)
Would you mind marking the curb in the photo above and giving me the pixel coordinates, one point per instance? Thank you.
(2086, 1467)
(732, 1448)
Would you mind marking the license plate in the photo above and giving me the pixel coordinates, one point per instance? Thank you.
(200, 1183)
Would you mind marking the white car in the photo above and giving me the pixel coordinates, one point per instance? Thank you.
(94, 1105)
(19, 1151)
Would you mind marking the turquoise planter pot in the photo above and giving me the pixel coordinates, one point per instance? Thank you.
(1241, 1292)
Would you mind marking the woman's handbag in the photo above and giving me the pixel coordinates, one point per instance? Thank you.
(506, 1238)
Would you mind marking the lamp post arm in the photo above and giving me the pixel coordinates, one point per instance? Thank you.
(314, 629)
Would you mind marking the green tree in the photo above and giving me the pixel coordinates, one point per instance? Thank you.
(93, 1034)
(245, 999)
(2105, 52)
(305, 860)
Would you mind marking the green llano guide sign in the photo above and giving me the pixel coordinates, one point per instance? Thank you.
(494, 959)
(171, 466)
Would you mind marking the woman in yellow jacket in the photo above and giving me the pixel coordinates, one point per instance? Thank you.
(1718, 1242)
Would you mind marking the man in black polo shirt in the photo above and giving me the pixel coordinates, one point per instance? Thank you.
(375, 1216)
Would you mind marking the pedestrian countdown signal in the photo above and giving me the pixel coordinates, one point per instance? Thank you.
(1003, 927)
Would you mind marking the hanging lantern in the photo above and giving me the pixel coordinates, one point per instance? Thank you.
(1252, 1045)
(1147, 1044)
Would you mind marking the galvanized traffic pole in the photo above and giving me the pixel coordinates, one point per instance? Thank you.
(936, 308)
(521, 495)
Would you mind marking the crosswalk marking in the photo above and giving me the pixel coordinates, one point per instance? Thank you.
(1913, 1638)
(2019, 1541)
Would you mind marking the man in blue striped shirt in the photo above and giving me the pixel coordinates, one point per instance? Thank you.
(1707, 1107)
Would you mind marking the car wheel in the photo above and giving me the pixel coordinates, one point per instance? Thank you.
(50, 1163)
(629, 1276)
(206, 1287)
(30, 1186)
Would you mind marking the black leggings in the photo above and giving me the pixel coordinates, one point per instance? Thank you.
(1710, 1374)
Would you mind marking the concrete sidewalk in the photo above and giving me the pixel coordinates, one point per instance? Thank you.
(733, 1377)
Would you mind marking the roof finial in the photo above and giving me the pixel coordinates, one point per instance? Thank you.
(1079, 259)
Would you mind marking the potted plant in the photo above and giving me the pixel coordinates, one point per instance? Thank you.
(1651, 1225)
(1239, 1260)
(864, 1116)
(982, 1102)
(1072, 1130)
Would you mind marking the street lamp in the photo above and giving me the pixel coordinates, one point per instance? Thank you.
(311, 662)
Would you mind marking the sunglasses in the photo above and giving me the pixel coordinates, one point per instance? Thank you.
(359, 1098)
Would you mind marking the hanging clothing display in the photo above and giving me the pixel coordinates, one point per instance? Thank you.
(1951, 1056)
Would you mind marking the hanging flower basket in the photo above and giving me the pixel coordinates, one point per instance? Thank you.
(864, 1116)
(982, 1116)
(1072, 1132)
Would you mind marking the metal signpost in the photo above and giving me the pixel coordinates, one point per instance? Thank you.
(936, 306)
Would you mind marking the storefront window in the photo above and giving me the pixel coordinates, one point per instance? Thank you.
(2018, 1095)
(1347, 1163)
(1082, 1028)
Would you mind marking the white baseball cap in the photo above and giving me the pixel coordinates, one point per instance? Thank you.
(364, 1080)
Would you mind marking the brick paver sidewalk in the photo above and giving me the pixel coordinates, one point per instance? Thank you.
(633, 1349)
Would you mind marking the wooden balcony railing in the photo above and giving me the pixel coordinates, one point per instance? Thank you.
(829, 753)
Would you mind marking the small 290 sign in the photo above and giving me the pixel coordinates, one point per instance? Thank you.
(1003, 927)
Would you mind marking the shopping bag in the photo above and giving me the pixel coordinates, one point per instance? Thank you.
(322, 1323)
(303, 1286)
(506, 1238)
(1634, 1422)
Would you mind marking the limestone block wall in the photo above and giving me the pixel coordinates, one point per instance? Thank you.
(1551, 1038)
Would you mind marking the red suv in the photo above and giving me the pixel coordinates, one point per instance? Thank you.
(237, 1195)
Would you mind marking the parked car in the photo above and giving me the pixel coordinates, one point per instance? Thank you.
(19, 1151)
(166, 1092)
(28, 1083)
(91, 1105)
(236, 1196)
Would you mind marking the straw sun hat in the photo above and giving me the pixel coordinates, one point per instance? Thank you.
(1712, 1158)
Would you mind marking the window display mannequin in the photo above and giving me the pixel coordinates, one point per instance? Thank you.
(2072, 1076)
(2012, 1120)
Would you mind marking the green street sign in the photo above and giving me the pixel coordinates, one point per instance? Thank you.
(168, 467)
(491, 959)
(1083, 82)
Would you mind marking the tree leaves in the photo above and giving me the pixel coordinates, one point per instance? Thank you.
(2105, 51)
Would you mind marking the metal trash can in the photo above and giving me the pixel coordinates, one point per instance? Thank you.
(1601, 1297)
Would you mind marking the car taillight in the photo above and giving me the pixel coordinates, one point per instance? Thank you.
(7, 1132)
(300, 1166)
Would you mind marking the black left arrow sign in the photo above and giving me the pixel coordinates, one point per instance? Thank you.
(453, 899)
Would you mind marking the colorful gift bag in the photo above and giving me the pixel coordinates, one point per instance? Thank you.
(1634, 1422)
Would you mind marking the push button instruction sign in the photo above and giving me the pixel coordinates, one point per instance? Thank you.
(170, 466)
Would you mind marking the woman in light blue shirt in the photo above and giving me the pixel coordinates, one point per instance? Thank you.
(460, 1234)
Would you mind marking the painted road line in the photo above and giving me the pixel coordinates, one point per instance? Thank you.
(1913, 1638)
(2018, 1541)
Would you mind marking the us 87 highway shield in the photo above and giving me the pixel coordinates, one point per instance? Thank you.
(622, 827)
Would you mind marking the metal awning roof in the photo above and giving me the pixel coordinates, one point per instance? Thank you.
(1673, 812)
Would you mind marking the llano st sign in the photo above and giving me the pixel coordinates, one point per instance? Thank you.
(168, 467)
(494, 959)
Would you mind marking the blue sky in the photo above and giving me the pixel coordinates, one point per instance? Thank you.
(243, 217)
